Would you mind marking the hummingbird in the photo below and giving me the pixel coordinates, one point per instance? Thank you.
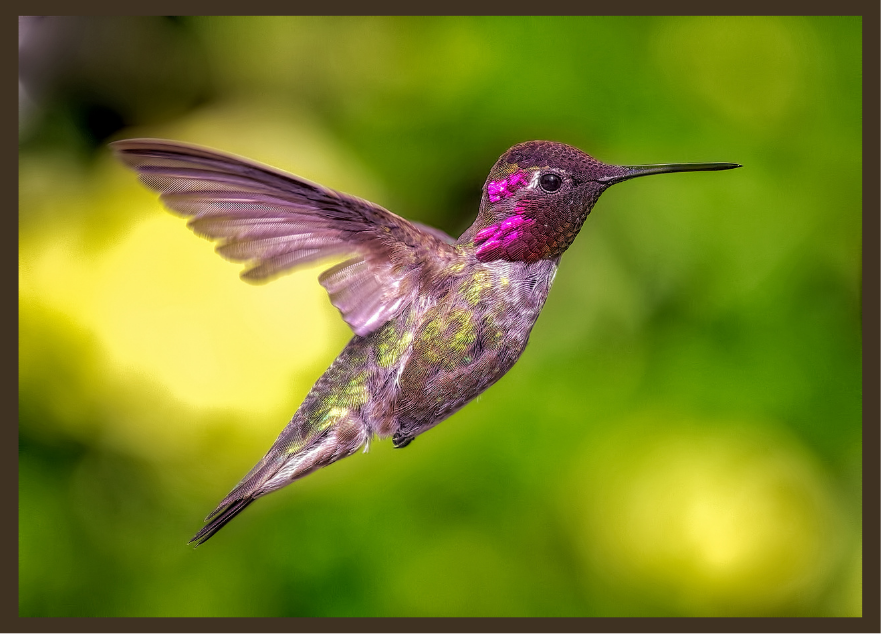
(436, 320)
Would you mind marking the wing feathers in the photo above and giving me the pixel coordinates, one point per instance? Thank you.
(274, 221)
(237, 228)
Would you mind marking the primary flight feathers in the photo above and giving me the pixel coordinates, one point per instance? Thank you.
(275, 221)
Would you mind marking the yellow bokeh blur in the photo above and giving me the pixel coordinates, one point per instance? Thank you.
(162, 304)
(728, 519)
(163, 309)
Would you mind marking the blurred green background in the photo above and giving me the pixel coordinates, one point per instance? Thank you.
(681, 437)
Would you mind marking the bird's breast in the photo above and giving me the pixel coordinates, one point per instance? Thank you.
(453, 343)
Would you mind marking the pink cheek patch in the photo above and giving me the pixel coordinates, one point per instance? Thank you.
(505, 188)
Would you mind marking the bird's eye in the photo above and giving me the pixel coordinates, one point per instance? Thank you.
(550, 182)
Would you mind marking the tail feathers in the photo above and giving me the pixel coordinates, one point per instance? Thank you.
(219, 518)
(297, 452)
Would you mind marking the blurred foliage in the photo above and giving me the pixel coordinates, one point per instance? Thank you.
(682, 436)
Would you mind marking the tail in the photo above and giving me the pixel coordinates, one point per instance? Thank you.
(299, 450)
(237, 500)
(218, 519)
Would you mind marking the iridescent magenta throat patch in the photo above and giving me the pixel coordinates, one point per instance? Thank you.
(505, 239)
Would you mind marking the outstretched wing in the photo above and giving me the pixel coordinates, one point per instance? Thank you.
(275, 221)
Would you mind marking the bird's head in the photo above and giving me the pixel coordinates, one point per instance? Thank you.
(539, 194)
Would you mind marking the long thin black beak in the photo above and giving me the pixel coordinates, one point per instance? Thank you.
(634, 171)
